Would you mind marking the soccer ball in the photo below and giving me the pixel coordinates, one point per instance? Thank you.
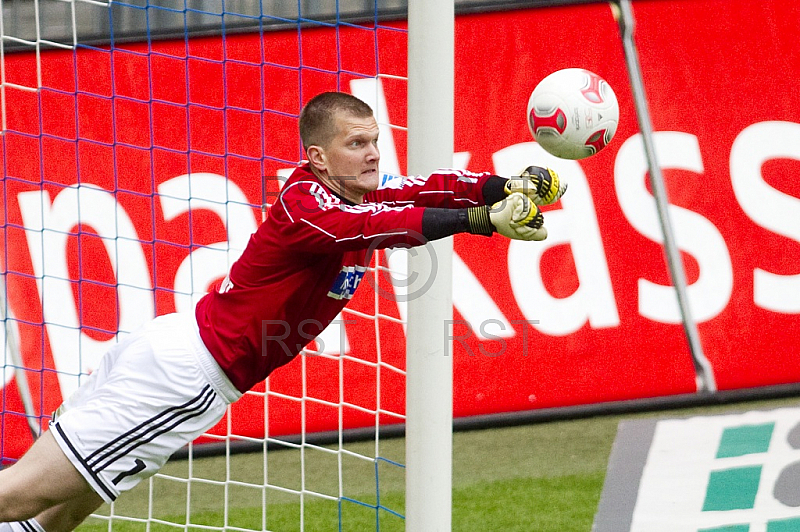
(573, 113)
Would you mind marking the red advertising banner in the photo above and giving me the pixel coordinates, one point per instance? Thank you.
(134, 176)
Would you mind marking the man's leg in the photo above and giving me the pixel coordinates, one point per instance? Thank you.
(41, 479)
(68, 515)
(63, 517)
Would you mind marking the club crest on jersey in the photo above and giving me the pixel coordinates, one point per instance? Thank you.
(345, 284)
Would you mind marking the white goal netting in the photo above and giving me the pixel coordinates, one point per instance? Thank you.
(141, 143)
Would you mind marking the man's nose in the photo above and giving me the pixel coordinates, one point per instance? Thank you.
(374, 152)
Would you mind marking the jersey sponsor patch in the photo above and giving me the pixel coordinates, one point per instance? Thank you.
(345, 284)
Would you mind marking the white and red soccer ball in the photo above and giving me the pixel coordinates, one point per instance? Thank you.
(573, 113)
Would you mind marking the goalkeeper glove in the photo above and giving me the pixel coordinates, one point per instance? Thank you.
(541, 185)
(517, 217)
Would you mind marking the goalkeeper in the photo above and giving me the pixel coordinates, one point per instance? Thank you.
(170, 381)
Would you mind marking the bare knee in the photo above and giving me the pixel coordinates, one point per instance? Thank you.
(16, 503)
(41, 479)
(68, 515)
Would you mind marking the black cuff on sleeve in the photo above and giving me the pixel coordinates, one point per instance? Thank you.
(439, 223)
(493, 190)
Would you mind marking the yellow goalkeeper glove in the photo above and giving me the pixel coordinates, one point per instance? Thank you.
(517, 217)
(541, 185)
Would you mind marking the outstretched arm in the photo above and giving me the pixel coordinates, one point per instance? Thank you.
(309, 218)
(515, 217)
(541, 186)
(454, 189)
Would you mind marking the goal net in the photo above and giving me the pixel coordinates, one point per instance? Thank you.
(142, 143)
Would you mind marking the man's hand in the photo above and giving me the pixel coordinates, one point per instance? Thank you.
(541, 185)
(518, 217)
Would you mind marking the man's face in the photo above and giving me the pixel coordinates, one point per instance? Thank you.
(351, 158)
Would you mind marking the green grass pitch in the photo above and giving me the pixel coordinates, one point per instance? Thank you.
(543, 477)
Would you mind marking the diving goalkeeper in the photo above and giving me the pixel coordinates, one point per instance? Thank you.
(170, 381)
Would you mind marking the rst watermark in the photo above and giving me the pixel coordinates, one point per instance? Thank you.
(407, 284)
(494, 330)
(491, 337)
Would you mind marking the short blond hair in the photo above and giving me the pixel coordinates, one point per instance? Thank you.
(318, 117)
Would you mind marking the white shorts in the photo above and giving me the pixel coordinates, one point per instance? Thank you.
(154, 392)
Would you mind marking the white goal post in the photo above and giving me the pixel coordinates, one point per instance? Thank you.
(429, 361)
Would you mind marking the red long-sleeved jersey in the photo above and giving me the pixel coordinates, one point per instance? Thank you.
(303, 264)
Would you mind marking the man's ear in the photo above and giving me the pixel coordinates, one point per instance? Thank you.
(316, 156)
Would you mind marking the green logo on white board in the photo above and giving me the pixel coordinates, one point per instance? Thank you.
(726, 473)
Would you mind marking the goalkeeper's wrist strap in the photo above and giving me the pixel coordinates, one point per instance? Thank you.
(476, 220)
